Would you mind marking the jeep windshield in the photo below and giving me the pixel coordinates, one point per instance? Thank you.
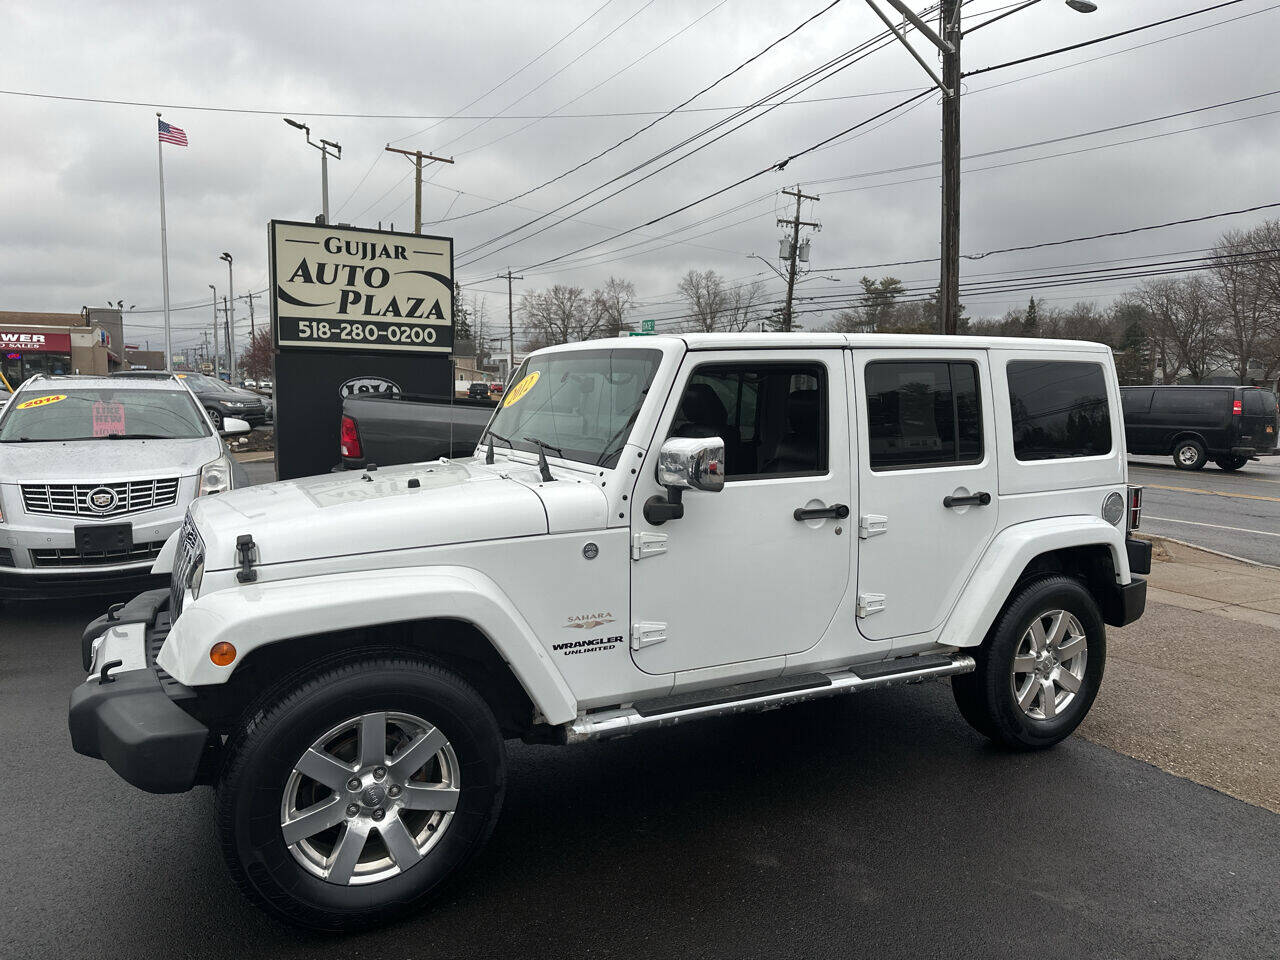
(62, 413)
(583, 402)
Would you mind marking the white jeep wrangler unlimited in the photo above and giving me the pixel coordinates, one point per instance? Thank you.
(652, 530)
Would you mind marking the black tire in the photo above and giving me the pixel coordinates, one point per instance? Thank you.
(1189, 454)
(986, 697)
(260, 759)
(216, 417)
(1230, 464)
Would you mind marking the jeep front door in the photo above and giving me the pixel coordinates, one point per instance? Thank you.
(739, 578)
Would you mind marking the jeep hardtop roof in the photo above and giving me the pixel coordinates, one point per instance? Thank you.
(865, 341)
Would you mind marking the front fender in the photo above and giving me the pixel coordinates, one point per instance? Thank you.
(254, 615)
(1006, 558)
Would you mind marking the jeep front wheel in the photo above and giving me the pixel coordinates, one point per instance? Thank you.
(1040, 668)
(353, 797)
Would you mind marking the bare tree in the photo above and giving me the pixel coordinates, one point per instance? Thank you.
(478, 320)
(1241, 280)
(609, 305)
(1184, 321)
(714, 306)
(561, 314)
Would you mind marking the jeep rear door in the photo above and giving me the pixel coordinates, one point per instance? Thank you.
(927, 478)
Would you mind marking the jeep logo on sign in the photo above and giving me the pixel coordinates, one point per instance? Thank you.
(361, 385)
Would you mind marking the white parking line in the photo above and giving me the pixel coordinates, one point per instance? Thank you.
(1216, 526)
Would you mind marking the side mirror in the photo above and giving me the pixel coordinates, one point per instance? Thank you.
(685, 463)
(234, 425)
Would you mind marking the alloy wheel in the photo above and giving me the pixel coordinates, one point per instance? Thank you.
(370, 798)
(1049, 664)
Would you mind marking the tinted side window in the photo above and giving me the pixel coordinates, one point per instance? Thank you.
(772, 417)
(1059, 409)
(922, 413)
(1189, 401)
(1254, 404)
(1135, 401)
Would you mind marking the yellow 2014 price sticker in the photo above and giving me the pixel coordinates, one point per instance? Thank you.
(42, 401)
(516, 393)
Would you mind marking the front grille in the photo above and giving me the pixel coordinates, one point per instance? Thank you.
(190, 553)
(71, 557)
(74, 499)
(6, 557)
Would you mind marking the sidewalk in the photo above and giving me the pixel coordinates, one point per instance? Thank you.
(1194, 686)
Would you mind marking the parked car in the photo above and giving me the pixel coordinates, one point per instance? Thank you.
(1228, 425)
(496, 388)
(249, 384)
(223, 400)
(95, 474)
(701, 525)
(389, 429)
(478, 391)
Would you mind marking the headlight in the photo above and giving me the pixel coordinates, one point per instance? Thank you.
(215, 477)
(234, 403)
(196, 578)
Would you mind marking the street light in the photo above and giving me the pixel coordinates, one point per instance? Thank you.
(947, 40)
(231, 319)
(215, 330)
(323, 146)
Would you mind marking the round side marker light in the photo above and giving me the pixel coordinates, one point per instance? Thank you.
(222, 654)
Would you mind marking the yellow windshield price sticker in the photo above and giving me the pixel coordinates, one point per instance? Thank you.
(42, 401)
(516, 393)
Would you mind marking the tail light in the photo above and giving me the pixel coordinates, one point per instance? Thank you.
(350, 437)
(1135, 508)
(1237, 408)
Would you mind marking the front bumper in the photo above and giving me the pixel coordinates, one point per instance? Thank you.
(80, 582)
(132, 719)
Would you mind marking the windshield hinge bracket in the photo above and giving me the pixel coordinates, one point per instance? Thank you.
(644, 544)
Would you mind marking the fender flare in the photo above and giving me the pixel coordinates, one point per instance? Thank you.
(254, 615)
(1008, 555)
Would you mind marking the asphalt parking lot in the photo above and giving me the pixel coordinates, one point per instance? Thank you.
(875, 825)
(1235, 513)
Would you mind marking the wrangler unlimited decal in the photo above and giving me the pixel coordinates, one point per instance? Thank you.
(570, 647)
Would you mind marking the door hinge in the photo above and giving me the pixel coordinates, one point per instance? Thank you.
(869, 603)
(647, 545)
(647, 634)
(872, 525)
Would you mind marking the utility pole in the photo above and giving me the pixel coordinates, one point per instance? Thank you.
(253, 330)
(795, 224)
(511, 322)
(947, 42)
(416, 157)
(216, 357)
(231, 358)
(949, 295)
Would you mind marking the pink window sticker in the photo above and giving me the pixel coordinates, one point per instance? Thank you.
(108, 418)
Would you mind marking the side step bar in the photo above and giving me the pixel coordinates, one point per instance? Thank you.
(752, 697)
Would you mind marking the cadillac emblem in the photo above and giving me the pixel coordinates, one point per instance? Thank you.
(103, 499)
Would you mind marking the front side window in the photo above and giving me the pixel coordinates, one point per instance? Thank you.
(771, 416)
(1059, 409)
(62, 413)
(922, 413)
(581, 403)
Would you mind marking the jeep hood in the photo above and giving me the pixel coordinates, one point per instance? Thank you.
(355, 512)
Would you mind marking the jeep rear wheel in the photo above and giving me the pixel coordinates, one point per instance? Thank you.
(353, 797)
(1040, 667)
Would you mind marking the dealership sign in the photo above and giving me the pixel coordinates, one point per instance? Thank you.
(30, 342)
(367, 290)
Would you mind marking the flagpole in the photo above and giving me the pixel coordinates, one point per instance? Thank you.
(164, 252)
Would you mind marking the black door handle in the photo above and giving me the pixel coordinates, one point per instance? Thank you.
(837, 511)
(973, 500)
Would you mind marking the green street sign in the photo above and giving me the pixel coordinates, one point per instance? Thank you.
(646, 326)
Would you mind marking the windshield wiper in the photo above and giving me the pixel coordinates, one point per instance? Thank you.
(488, 457)
(25, 440)
(543, 467)
(132, 436)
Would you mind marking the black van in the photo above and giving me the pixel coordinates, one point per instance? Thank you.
(1230, 425)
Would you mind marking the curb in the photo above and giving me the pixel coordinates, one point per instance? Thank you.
(254, 457)
(1156, 538)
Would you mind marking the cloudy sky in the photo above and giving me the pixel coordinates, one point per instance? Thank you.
(519, 93)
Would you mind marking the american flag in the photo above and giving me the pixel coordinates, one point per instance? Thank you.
(172, 134)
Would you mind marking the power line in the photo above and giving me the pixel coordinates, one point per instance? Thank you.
(1089, 43)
